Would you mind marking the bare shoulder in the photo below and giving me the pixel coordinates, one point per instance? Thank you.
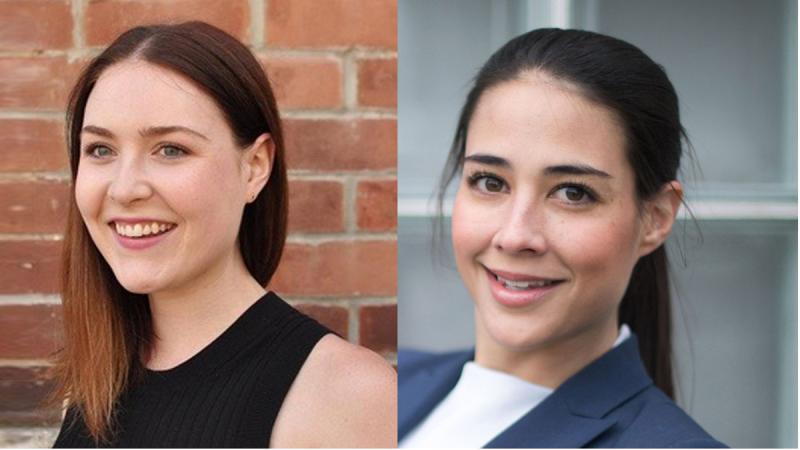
(344, 396)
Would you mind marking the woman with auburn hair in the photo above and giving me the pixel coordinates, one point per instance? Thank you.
(176, 223)
(567, 147)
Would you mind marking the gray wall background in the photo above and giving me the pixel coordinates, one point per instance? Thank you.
(734, 64)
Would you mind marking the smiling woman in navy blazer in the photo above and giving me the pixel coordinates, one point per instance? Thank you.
(567, 147)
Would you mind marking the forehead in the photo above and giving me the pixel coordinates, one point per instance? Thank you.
(135, 94)
(540, 120)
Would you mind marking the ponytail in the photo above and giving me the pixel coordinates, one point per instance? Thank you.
(645, 309)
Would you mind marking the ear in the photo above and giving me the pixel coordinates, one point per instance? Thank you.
(257, 162)
(659, 215)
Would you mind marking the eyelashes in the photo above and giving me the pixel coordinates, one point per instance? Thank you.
(576, 192)
(166, 150)
(572, 192)
(487, 182)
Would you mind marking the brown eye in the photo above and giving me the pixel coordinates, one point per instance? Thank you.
(492, 184)
(487, 183)
(574, 194)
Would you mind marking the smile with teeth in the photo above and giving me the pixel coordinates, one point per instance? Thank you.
(142, 229)
(524, 285)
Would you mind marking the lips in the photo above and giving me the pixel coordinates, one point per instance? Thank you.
(516, 290)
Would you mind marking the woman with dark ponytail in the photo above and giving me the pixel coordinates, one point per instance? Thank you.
(566, 153)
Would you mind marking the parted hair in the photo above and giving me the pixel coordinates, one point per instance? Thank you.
(108, 329)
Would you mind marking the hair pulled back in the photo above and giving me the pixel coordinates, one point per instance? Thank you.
(620, 77)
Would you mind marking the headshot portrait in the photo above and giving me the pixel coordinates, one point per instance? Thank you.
(198, 233)
(597, 224)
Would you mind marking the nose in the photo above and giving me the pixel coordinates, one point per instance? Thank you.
(130, 184)
(522, 230)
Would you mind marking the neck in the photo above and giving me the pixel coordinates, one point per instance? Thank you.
(187, 319)
(551, 363)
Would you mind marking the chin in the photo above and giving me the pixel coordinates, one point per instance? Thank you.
(139, 284)
(524, 341)
(138, 287)
(520, 333)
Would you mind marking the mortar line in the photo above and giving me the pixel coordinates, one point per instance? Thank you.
(25, 363)
(30, 299)
(78, 37)
(310, 174)
(350, 71)
(350, 205)
(11, 177)
(354, 327)
(256, 23)
(345, 237)
(17, 114)
(316, 114)
(52, 237)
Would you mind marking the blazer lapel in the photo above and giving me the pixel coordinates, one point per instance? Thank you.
(551, 424)
(425, 389)
(577, 411)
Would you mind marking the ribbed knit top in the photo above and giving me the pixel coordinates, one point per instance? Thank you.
(227, 395)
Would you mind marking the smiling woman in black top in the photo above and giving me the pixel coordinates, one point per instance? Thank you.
(177, 221)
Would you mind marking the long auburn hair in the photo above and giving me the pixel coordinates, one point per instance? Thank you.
(107, 329)
(619, 76)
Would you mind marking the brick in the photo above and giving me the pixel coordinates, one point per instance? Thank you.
(29, 331)
(333, 144)
(377, 327)
(333, 317)
(31, 207)
(303, 82)
(331, 23)
(29, 267)
(32, 145)
(377, 82)
(356, 268)
(316, 206)
(24, 390)
(36, 82)
(107, 19)
(376, 205)
(35, 25)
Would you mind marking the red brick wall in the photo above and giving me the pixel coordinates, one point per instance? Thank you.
(333, 66)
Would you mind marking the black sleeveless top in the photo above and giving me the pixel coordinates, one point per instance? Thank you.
(227, 395)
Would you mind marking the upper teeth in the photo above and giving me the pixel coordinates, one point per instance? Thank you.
(142, 229)
(523, 284)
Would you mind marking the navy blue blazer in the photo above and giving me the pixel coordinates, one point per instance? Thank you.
(612, 402)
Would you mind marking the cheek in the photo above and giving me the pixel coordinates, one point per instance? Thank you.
(89, 194)
(471, 233)
(599, 248)
(207, 195)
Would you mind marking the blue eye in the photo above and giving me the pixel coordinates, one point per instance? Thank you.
(99, 151)
(172, 152)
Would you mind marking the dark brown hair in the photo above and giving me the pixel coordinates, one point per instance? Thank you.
(106, 328)
(619, 76)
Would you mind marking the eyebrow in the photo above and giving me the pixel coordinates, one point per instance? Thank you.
(144, 132)
(561, 169)
(489, 160)
(575, 169)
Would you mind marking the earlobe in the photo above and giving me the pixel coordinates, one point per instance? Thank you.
(660, 214)
(259, 162)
